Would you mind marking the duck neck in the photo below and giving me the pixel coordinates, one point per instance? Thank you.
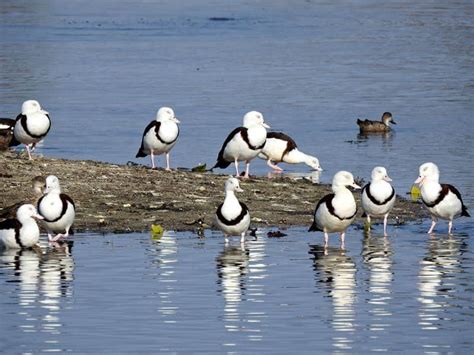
(295, 157)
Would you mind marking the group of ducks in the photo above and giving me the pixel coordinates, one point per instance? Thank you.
(333, 213)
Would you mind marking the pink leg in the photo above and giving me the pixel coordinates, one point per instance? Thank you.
(247, 169)
(242, 238)
(29, 152)
(343, 237)
(236, 162)
(450, 226)
(368, 221)
(168, 162)
(275, 167)
(326, 240)
(385, 225)
(152, 159)
(433, 223)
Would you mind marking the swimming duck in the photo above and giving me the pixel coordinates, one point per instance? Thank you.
(280, 147)
(160, 136)
(368, 126)
(6, 132)
(335, 212)
(232, 216)
(378, 196)
(38, 184)
(243, 143)
(58, 210)
(442, 200)
(31, 126)
(22, 231)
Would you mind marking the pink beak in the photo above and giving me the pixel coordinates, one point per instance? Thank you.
(387, 178)
(420, 180)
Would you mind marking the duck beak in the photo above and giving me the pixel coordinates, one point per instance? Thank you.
(393, 122)
(38, 216)
(45, 112)
(238, 189)
(387, 178)
(420, 180)
(265, 125)
(176, 120)
(318, 169)
(355, 186)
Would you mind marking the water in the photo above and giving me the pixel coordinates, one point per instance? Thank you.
(130, 293)
(312, 68)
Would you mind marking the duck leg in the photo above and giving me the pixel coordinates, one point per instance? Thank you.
(275, 167)
(326, 239)
(236, 162)
(152, 159)
(247, 169)
(168, 161)
(368, 222)
(450, 226)
(343, 237)
(242, 238)
(433, 223)
(29, 152)
(385, 218)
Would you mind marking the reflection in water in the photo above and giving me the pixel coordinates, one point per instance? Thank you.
(240, 273)
(385, 137)
(336, 272)
(44, 279)
(437, 280)
(313, 176)
(377, 255)
(166, 257)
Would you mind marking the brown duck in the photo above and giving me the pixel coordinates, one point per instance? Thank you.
(367, 126)
(38, 183)
(6, 132)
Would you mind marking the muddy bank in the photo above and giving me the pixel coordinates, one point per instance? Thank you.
(122, 198)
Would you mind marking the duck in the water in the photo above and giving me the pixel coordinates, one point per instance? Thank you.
(243, 143)
(368, 126)
(280, 147)
(335, 212)
(31, 126)
(232, 216)
(442, 200)
(160, 136)
(22, 231)
(58, 210)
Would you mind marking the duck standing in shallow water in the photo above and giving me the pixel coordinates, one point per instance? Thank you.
(232, 216)
(335, 212)
(368, 126)
(58, 210)
(243, 143)
(22, 231)
(31, 126)
(442, 200)
(7, 125)
(378, 196)
(280, 147)
(160, 136)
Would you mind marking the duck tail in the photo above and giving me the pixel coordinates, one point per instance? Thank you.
(221, 163)
(314, 228)
(141, 153)
(465, 212)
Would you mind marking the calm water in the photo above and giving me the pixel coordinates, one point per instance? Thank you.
(312, 68)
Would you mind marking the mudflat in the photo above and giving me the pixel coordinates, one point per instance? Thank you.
(130, 198)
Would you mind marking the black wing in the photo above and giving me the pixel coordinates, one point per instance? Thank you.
(152, 124)
(328, 201)
(221, 162)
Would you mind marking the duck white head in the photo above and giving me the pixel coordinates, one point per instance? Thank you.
(232, 185)
(388, 118)
(428, 172)
(52, 184)
(380, 173)
(313, 162)
(166, 114)
(26, 212)
(254, 118)
(31, 106)
(343, 180)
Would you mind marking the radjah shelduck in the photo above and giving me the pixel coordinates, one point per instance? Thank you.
(243, 143)
(279, 147)
(58, 210)
(335, 212)
(232, 216)
(22, 231)
(7, 125)
(31, 126)
(160, 136)
(378, 196)
(442, 200)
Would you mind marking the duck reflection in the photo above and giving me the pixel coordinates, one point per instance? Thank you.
(377, 256)
(313, 176)
(436, 281)
(240, 272)
(337, 272)
(44, 279)
(165, 258)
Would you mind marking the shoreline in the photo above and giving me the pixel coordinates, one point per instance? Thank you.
(112, 198)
